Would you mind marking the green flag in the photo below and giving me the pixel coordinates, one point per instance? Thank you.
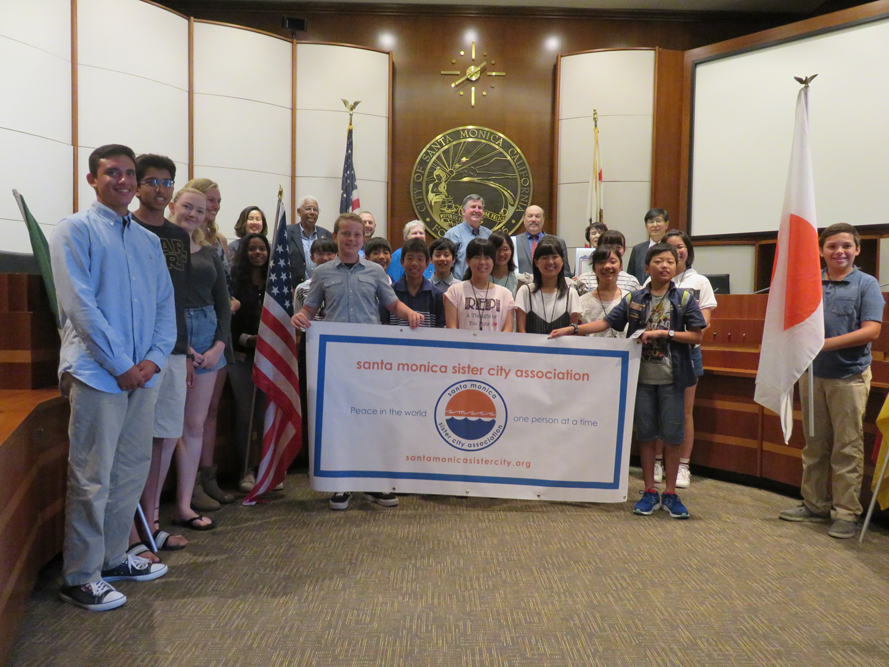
(40, 248)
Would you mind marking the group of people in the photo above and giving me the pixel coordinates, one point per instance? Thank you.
(157, 309)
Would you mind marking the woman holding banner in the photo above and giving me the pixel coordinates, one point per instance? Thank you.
(550, 302)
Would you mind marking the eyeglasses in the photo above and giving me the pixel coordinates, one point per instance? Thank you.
(655, 221)
(154, 182)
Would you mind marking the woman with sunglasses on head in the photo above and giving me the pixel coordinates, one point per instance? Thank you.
(208, 319)
(208, 497)
(549, 302)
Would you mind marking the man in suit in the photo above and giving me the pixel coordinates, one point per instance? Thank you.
(526, 243)
(656, 225)
(300, 237)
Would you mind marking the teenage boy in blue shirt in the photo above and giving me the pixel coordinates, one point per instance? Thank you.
(351, 289)
(672, 324)
(853, 315)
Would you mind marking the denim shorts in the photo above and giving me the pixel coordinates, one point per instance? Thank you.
(697, 360)
(201, 324)
(660, 413)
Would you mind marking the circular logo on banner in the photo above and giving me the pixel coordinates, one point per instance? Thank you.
(470, 415)
(471, 160)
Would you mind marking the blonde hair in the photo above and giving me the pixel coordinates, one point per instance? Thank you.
(202, 185)
(197, 235)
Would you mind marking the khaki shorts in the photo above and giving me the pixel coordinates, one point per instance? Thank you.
(169, 413)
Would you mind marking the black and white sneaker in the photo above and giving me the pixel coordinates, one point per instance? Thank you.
(384, 499)
(95, 596)
(135, 568)
(340, 501)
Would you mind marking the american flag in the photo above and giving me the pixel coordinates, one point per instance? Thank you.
(274, 369)
(349, 201)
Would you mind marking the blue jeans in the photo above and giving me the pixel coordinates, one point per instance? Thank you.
(660, 412)
(201, 324)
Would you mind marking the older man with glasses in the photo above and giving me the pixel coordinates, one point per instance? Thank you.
(300, 237)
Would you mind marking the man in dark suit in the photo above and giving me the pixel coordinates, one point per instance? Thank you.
(523, 243)
(300, 237)
(656, 225)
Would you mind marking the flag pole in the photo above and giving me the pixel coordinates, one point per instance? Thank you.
(873, 500)
(811, 374)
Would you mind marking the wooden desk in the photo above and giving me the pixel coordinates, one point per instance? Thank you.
(735, 434)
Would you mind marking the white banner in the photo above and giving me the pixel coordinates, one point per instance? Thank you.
(451, 412)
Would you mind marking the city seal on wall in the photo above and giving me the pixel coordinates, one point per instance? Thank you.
(471, 160)
(470, 415)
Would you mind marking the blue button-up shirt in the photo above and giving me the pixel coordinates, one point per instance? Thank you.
(461, 235)
(350, 294)
(848, 303)
(116, 301)
(308, 240)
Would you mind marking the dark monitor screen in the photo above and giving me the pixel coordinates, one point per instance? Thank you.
(721, 283)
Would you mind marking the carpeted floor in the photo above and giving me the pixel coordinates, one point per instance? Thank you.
(483, 582)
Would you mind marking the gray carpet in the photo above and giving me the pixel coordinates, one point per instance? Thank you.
(484, 582)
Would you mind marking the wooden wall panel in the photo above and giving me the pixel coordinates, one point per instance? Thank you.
(524, 43)
(33, 465)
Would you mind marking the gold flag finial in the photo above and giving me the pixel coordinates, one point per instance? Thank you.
(350, 107)
(595, 118)
(280, 192)
(805, 80)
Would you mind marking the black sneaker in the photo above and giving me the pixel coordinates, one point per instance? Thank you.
(135, 568)
(340, 501)
(95, 596)
(384, 499)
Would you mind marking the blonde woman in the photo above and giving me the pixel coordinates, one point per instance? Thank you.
(208, 318)
(207, 494)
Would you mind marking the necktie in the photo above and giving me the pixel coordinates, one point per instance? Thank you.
(475, 231)
(533, 246)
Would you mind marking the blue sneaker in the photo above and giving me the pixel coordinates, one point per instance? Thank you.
(651, 501)
(671, 503)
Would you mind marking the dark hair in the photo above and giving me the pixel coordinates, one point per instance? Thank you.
(498, 239)
(602, 253)
(375, 244)
(839, 228)
(148, 161)
(598, 226)
(324, 244)
(688, 245)
(655, 212)
(549, 246)
(241, 224)
(109, 151)
(443, 244)
(613, 237)
(475, 248)
(657, 249)
(414, 245)
(242, 271)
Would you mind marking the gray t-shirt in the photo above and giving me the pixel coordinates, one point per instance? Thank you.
(657, 366)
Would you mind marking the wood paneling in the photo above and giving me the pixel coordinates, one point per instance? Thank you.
(667, 139)
(29, 341)
(522, 104)
(33, 465)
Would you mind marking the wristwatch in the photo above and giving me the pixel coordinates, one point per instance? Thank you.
(575, 329)
(671, 333)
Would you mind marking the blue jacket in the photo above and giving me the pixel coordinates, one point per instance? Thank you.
(632, 312)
